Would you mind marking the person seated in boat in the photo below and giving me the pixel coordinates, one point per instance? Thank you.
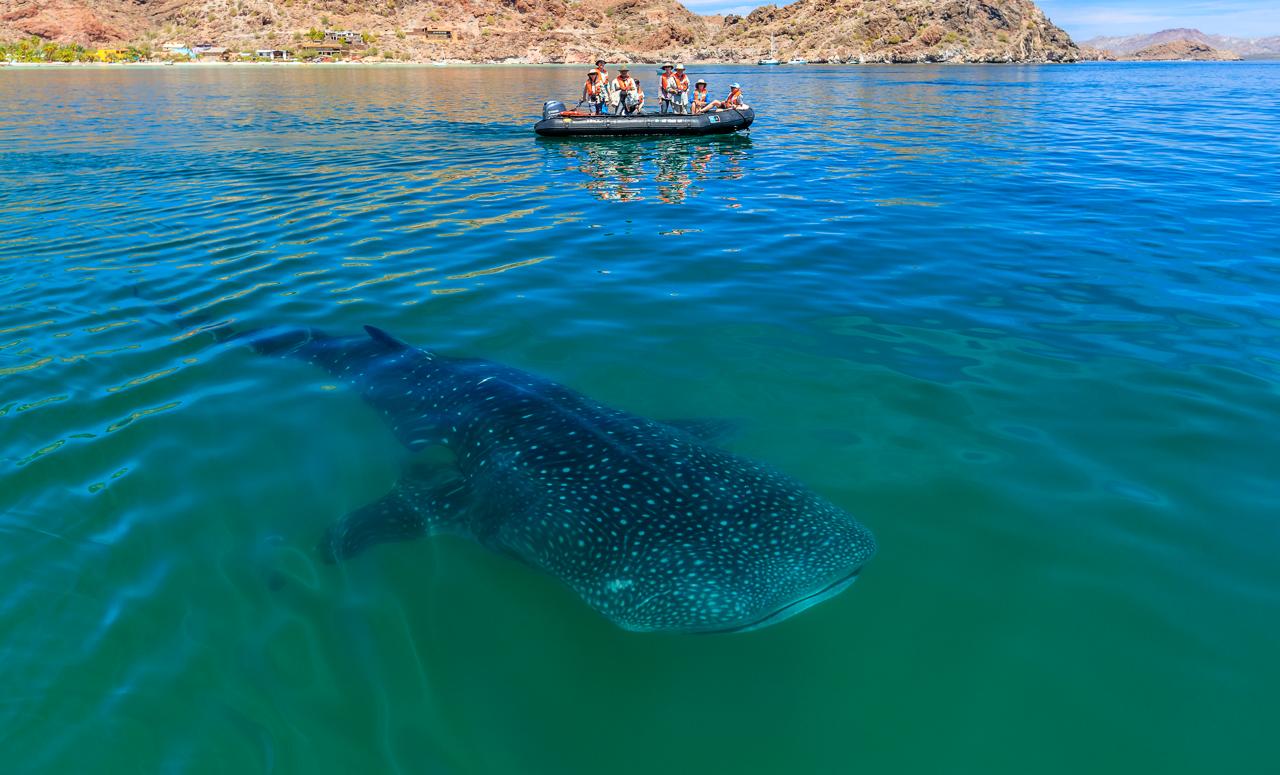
(732, 102)
(680, 90)
(664, 89)
(700, 96)
(593, 93)
(624, 93)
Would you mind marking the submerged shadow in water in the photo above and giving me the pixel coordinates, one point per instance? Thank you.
(668, 169)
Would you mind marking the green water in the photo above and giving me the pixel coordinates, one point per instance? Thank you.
(1019, 321)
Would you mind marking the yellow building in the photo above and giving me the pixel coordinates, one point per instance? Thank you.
(111, 55)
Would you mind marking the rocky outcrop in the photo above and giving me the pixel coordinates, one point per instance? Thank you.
(1091, 54)
(903, 31)
(68, 22)
(1180, 50)
(538, 31)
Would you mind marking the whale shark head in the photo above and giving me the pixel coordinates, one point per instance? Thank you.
(733, 567)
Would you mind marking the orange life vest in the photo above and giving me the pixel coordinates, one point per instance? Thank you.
(700, 98)
(665, 81)
(594, 88)
(734, 99)
(625, 84)
(602, 75)
(681, 82)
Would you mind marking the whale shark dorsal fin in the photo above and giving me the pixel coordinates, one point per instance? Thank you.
(378, 335)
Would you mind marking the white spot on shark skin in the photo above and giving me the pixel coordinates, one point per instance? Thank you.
(617, 585)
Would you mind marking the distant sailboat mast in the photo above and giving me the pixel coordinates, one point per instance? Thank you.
(773, 56)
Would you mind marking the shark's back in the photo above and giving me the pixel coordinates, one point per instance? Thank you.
(651, 525)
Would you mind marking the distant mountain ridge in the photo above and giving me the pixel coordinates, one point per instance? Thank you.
(544, 31)
(1129, 44)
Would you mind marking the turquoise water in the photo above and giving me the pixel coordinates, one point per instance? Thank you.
(1021, 321)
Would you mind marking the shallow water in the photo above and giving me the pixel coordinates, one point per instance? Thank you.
(1021, 321)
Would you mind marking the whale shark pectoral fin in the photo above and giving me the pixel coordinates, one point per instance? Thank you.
(413, 508)
(710, 429)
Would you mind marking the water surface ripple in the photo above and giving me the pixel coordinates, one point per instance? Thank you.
(1022, 321)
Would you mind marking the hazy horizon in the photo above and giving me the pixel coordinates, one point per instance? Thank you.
(1084, 19)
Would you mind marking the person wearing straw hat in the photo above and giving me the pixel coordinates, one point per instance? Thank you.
(624, 92)
(602, 77)
(665, 84)
(594, 92)
(700, 96)
(680, 90)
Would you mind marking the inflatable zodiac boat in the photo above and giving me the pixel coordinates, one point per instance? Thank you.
(559, 122)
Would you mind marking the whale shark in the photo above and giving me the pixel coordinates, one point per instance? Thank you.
(651, 523)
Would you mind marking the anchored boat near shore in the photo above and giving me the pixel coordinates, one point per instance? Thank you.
(559, 122)
(772, 59)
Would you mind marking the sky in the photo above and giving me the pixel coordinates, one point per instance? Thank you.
(1084, 19)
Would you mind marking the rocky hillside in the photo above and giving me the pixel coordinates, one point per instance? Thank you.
(568, 30)
(483, 30)
(1181, 51)
(1133, 43)
(900, 31)
(71, 21)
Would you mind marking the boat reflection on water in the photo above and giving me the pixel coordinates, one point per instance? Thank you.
(669, 169)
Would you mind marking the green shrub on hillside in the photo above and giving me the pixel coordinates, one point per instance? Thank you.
(34, 49)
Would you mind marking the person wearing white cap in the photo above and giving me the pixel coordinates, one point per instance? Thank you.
(732, 102)
(679, 88)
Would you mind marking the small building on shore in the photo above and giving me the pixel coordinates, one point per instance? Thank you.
(273, 54)
(341, 36)
(322, 50)
(437, 33)
(176, 50)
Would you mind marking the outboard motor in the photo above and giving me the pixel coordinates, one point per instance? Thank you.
(551, 109)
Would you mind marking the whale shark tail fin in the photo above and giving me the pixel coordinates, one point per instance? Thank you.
(282, 342)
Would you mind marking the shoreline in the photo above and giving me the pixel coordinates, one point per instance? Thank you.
(464, 63)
